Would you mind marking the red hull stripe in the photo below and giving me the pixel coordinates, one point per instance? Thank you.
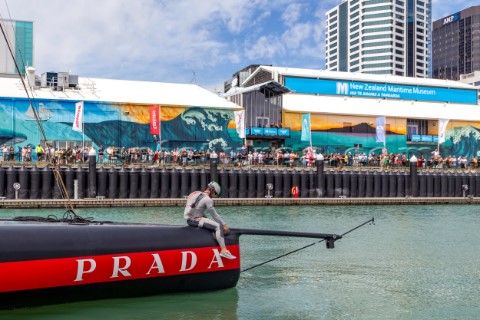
(49, 273)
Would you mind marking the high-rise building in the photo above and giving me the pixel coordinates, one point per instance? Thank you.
(380, 37)
(20, 38)
(456, 44)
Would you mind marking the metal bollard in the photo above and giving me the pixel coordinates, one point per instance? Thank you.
(16, 186)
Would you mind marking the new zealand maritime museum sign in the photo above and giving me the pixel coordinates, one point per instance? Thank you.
(380, 90)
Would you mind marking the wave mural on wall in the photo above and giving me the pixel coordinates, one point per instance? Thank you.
(195, 127)
(334, 133)
(120, 125)
(462, 141)
(127, 125)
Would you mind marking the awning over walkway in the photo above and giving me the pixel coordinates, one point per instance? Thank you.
(271, 86)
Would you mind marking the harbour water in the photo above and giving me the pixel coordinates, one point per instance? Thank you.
(416, 262)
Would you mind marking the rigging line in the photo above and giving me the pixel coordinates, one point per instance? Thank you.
(372, 221)
(63, 190)
(55, 169)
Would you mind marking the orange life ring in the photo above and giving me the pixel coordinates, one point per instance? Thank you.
(295, 191)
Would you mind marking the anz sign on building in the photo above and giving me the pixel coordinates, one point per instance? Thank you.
(381, 90)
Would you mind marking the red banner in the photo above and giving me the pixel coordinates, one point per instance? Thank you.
(155, 120)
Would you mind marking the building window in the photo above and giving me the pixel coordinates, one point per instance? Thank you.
(378, 15)
(377, 58)
(375, 9)
(377, 44)
(262, 122)
(416, 127)
(367, 3)
(379, 65)
(375, 51)
(375, 23)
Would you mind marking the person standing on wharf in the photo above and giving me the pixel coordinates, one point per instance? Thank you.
(200, 202)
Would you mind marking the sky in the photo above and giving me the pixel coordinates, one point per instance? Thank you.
(181, 41)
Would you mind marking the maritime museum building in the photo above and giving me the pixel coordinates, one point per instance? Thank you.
(343, 109)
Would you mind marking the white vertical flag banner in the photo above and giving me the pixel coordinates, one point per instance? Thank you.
(380, 128)
(78, 120)
(306, 129)
(240, 122)
(442, 129)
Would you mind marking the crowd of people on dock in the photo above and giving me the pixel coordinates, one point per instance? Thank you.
(47, 153)
(240, 157)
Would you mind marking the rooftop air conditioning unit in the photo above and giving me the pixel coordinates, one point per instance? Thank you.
(49, 79)
(73, 81)
(62, 80)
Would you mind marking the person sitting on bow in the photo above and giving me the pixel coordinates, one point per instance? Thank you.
(198, 203)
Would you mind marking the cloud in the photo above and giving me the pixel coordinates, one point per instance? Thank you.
(297, 35)
(292, 13)
(264, 47)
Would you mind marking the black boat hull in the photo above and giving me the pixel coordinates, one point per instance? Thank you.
(48, 263)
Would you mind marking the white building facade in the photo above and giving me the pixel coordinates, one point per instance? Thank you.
(380, 37)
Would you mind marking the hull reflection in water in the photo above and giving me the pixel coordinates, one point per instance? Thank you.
(219, 304)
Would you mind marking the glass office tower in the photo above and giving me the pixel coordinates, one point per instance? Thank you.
(456, 44)
(20, 38)
(380, 37)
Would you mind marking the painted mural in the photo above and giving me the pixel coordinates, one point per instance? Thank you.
(119, 125)
(127, 125)
(343, 134)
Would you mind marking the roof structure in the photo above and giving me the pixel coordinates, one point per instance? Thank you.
(121, 91)
(355, 76)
